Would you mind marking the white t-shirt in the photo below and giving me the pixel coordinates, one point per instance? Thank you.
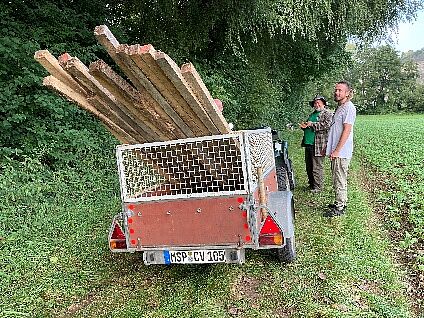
(344, 114)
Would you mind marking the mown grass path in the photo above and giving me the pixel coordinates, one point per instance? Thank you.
(55, 261)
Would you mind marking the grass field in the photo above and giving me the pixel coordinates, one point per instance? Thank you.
(390, 148)
(392, 145)
(54, 259)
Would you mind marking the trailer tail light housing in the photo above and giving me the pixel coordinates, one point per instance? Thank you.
(270, 233)
(117, 240)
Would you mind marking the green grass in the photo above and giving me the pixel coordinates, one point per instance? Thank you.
(54, 260)
(392, 144)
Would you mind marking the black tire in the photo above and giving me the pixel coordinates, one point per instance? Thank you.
(290, 174)
(287, 163)
(287, 254)
(282, 175)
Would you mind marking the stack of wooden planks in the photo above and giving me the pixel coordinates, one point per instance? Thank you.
(164, 102)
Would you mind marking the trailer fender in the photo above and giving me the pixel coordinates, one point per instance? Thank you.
(280, 203)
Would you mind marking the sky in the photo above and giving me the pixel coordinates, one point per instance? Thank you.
(411, 35)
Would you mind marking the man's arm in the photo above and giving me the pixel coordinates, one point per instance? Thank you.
(324, 122)
(347, 128)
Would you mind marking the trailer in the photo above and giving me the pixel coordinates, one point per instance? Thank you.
(205, 199)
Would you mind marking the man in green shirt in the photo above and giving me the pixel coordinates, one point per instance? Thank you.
(315, 142)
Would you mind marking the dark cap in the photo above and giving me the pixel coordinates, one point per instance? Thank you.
(318, 97)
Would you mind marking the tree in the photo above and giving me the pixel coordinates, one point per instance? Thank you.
(257, 56)
(273, 48)
(32, 119)
(382, 80)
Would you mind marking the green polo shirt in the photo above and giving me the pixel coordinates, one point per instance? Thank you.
(309, 132)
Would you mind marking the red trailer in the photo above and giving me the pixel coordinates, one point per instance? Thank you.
(205, 199)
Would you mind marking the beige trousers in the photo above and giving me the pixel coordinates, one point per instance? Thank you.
(339, 171)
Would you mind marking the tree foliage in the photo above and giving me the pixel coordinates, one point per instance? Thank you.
(384, 82)
(417, 56)
(257, 56)
(199, 25)
(273, 49)
(32, 119)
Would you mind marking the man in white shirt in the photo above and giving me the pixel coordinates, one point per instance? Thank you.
(340, 145)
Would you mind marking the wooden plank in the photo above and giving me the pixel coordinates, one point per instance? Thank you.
(262, 193)
(143, 58)
(122, 52)
(109, 117)
(202, 93)
(127, 96)
(51, 64)
(63, 58)
(109, 42)
(104, 108)
(174, 74)
(81, 74)
(67, 92)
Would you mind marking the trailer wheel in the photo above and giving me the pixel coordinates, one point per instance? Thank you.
(283, 179)
(282, 175)
(287, 163)
(290, 174)
(287, 254)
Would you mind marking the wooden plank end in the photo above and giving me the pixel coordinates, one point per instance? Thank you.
(122, 48)
(134, 49)
(41, 54)
(97, 65)
(64, 58)
(105, 38)
(147, 49)
(187, 68)
(159, 55)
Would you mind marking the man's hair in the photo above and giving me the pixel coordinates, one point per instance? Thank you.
(349, 86)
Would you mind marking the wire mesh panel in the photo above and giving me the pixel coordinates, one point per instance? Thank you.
(260, 153)
(212, 165)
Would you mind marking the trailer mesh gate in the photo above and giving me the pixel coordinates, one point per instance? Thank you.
(214, 165)
(261, 153)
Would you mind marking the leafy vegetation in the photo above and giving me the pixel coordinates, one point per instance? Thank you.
(391, 144)
(385, 82)
(52, 229)
(417, 56)
(257, 57)
(34, 121)
(267, 52)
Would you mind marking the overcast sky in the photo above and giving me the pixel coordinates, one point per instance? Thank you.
(411, 35)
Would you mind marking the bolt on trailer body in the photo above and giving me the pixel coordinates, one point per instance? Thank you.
(205, 199)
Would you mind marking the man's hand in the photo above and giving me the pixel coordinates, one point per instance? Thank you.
(334, 154)
(303, 125)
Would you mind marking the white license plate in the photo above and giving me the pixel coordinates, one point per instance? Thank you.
(195, 256)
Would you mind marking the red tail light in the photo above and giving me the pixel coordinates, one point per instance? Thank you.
(117, 239)
(117, 233)
(270, 233)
